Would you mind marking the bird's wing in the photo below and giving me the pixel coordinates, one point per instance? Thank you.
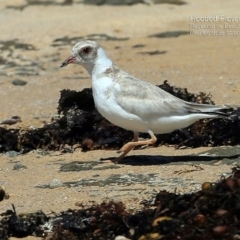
(149, 100)
(146, 99)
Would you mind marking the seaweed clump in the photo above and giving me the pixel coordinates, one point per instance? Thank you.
(80, 125)
(210, 213)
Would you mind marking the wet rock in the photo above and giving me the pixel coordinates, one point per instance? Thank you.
(94, 2)
(95, 37)
(18, 64)
(43, 152)
(157, 52)
(222, 151)
(12, 154)
(138, 46)
(170, 34)
(19, 82)
(10, 45)
(114, 2)
(18, 166)
(119, 179)
(42, 3)
(95, 175)
(76, 166)
(91, 2)
(106, 166)
(55, 183)
(227, 155)
(175, 2)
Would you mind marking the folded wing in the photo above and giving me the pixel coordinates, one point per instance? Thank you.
(150, 100)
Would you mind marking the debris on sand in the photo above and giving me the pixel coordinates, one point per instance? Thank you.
(3, 194)
(210, 213)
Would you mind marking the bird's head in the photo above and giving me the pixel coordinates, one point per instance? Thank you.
(84, 53)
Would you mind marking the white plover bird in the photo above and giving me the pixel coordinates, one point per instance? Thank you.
(134, 104)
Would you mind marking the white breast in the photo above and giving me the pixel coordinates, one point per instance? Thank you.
(104, 98)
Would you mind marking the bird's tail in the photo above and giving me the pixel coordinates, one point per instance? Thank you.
(219, 111)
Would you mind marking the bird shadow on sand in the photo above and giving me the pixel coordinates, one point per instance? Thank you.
(176, 160)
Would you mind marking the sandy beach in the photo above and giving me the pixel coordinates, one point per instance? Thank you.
(34, 41)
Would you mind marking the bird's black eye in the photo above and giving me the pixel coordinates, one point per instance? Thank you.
(85, 50)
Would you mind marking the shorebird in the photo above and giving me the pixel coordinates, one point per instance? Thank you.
(132, 103)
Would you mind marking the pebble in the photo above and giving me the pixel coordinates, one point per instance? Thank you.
(19, 82)
(55, 183)
(12, 154)
(43, 152)
(18, 166)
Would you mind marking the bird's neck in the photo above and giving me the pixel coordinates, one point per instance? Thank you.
(100, 65)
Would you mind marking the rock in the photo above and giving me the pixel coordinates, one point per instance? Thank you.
(156, 52)
(94, 2)
(55, 183)
(138, 46)
(19, 166)
(169, 34)
(76, 166)
(11, 121)
(176, 2)
(114, 2)
(19, 82)
(106, 166)
(12, 154)
(94, 37)
(43, 152)
(131, 2)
